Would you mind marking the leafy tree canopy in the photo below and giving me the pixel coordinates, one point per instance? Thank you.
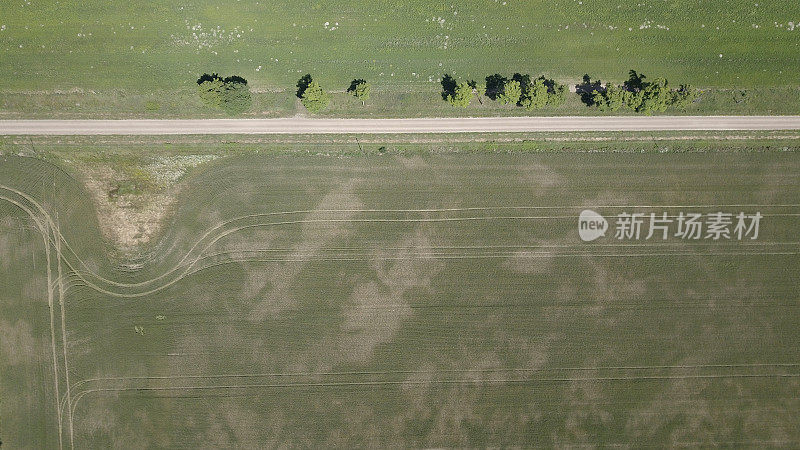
(512, 91)
(230, 94)
(314, 98)
(461, 96)
(360, 89)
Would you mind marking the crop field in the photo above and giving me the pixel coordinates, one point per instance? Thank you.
(423, 300)
(142, 57)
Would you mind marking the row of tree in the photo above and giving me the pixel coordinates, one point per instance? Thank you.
(520, 90)
(637, 94)
(315, 98)
(230, 93)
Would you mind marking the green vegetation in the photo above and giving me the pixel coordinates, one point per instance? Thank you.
(511, 93)
(360, 89)
(522, 91)
(327, 297)
(457, 94)
(67, 66)
(540, 92)
(312, 95)
(230, 94)
(637, 94)
(479, 89)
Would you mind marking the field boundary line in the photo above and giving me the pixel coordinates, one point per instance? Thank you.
(428, 382)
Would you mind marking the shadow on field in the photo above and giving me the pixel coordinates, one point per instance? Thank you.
(448, 86)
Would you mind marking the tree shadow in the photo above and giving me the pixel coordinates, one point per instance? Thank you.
(355, 83)
(206, 77)
(587, 88)
(523, 80)
(494, 85)
(635, 81)
(235, 79)
(448, 86)
(302, 84)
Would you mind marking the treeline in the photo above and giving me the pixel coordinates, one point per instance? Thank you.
(315, 98)
(637, 94)
(520, 90)
(232, 94)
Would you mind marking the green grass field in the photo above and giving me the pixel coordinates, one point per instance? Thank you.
(142, 57)
(420, 299)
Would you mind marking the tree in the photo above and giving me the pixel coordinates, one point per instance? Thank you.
(540, 92)
(210, 88)
(654, 96)
(461, 95)
(588, 89)
(611, 98)
(537, 95)
(237, 98)
(359, 89)
(511, 93)
(314, 98)
(635, 81)
(557, 92)
(524, 82)
(478, 89)
(641, 96)
(684, 96)
(448, 86)
(230, 94)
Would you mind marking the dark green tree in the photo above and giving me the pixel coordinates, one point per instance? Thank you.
(540, 92)
(236, 98)
(210, 89)
(655, 96)
(642, 96)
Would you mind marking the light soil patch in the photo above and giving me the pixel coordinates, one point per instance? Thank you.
(375, 316)
(378, 309)
(412, 162)
(17, 342)
(5, 250)
(15, 246)
(128, 220)
(95, 413)
(131, 219)
(315, 235)
(527, 262)
(36, 288)
(540, 175)
(586, 400)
